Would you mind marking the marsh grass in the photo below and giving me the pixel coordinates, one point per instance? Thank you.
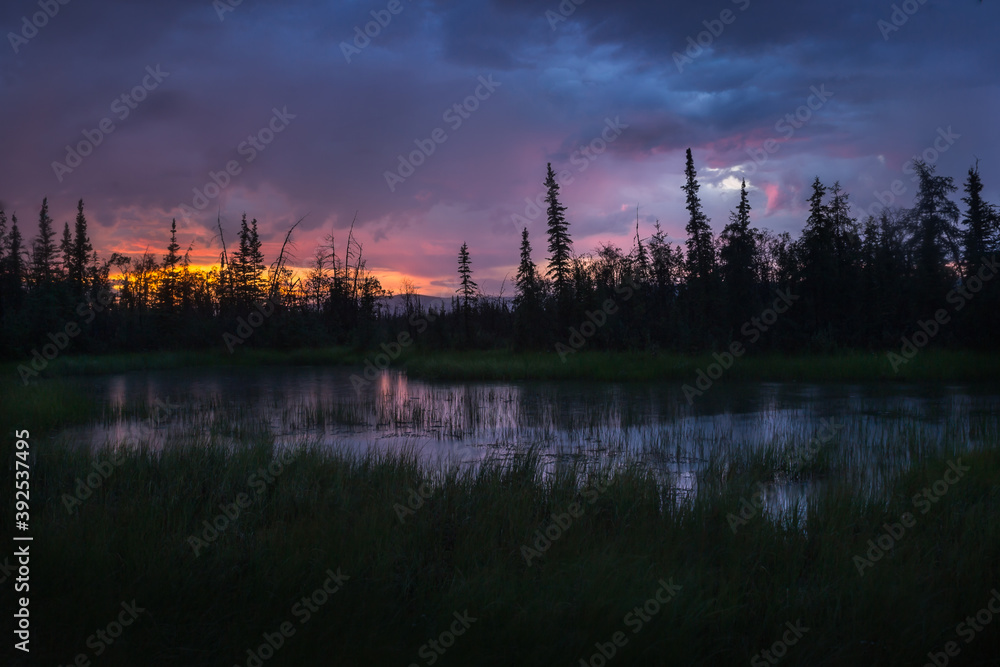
(462, 549)
(846, 366)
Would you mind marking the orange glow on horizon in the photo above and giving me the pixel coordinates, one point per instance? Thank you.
(392, 281)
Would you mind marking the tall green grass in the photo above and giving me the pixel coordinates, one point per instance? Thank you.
(461, 549)
(927, 366)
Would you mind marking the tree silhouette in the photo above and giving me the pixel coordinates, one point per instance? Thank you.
(168, 288)
(934, 226)
(560, 245)
(43, 250)
(700, 261)
(738, 262)
(467, 288)
(528, 296)
(80, 267)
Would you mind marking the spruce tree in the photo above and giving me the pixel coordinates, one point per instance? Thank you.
(700, 244)
(3, 239)
(817, 258)
(167, 296)
(66, 251)
(560, 245)
(255, 265)
(738, 262)
(4, 288)
(81, 252)
(467, 288)
(43, 250)
(978, 218)
(700, 261)
(934, 226)
(241, 266)
(15, 268)
(528, 296)
(526, 282)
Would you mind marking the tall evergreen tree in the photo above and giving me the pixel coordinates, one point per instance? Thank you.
(528, 296)
(935, 235)
(702, 297)
(527, 282)
(817, 260)
(560, 245)
(255, 264)
(66, 251)
(15, 266)
(3, 238)
(978, 219)
(979, 323)
(700, 244)
(846, 312)
(43, 250)
(241, 266)
(168, 288)
(467, 288)
(81, 253)
(738, 262)
(4, 287)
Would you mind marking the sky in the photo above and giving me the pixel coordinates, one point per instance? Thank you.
(432, 122)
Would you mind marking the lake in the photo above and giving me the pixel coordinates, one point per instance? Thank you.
(861, 434)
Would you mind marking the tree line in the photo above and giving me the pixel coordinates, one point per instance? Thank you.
(851, 284)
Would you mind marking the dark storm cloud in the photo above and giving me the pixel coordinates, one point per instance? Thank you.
(559, 83)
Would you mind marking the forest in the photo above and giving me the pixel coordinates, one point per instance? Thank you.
(904, 279)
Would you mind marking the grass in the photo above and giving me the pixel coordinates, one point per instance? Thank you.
(462, 550)
(461, 547)
(501, 365)
(636, 366)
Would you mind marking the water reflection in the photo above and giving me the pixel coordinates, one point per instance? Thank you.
(885, 427)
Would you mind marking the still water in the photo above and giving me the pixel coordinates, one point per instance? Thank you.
(881, 429)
